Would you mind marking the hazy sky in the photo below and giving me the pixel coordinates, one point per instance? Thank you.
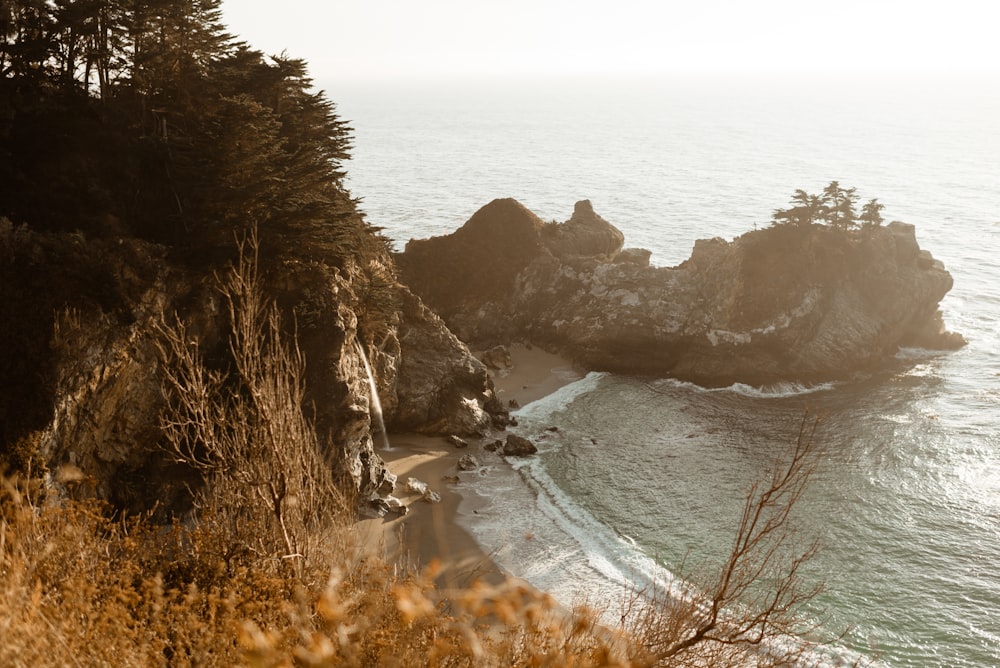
(387, 39)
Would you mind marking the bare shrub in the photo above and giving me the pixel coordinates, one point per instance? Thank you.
(751, 612)
(269, 488)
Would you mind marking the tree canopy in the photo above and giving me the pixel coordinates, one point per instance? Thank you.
(147, 118)
(834, 206)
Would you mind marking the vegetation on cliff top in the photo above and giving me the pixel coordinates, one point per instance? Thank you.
(139, 140)
(835, 206)
(149, 119)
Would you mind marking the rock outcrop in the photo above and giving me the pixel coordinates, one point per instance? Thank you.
(80, 342)
(786, 303)
(518, 446)
(442, 388)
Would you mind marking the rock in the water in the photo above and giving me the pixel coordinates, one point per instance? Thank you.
(787, 303)
(493, 446)
(457, 442)
(467, 463)
(518, 446)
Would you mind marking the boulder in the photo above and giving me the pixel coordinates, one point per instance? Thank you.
(457, 442)
(585, 234)
(467, 463)
(395, 506)
(416, 486)
(497, 358)
(380, 507)
(636, 256)
(441, 387)
(518, 446)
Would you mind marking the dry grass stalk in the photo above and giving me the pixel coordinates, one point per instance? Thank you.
(268, 482)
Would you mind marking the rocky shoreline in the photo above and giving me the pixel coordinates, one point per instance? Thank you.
(789, 303)
(426, 529)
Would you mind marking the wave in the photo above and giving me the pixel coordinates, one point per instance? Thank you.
(772, 391)
(778, 390)
(916, 354)
(550, 539)
(579, 559)
(561, 398)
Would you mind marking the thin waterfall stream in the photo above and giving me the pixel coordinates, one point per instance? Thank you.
(375, 404)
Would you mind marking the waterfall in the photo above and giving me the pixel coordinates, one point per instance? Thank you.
(375, 405)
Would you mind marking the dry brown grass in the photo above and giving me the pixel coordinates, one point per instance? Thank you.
(81, 589)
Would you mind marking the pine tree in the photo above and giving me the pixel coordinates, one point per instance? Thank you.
(871, 214)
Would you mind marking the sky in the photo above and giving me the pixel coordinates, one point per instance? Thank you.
(372, 40)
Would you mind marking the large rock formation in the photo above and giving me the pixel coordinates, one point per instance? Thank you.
(79, 333)
(785, 303)
(442, 388)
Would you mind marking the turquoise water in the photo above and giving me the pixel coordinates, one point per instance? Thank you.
(648, 474)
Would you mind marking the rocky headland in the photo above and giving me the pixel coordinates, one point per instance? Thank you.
(81, 326)
(802, 303)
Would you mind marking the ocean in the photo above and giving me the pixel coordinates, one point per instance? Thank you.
(646, 476)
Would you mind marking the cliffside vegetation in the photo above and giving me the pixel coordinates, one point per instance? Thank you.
(835, 206)
(138, 141)
(149, 119)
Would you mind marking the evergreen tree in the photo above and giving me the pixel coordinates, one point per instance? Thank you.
(806, 210)
(871, 214)
(28, 30)
(200, 136)
(840, 205)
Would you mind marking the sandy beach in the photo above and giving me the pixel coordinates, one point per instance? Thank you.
(429, 531)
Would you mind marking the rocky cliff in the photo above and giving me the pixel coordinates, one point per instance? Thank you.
(82, 368)
(800, 303)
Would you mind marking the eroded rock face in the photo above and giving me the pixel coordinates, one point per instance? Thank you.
(79, 336)
(442, 388)
(585, 234)
(785, 303)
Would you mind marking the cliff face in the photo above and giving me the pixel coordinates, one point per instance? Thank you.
(786, 303)
(79, 330)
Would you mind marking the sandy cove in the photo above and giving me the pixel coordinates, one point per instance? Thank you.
(431, 531)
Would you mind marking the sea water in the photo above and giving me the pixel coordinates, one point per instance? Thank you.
(645, 477)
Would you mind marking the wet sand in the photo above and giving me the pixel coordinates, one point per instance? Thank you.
(430, 531)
